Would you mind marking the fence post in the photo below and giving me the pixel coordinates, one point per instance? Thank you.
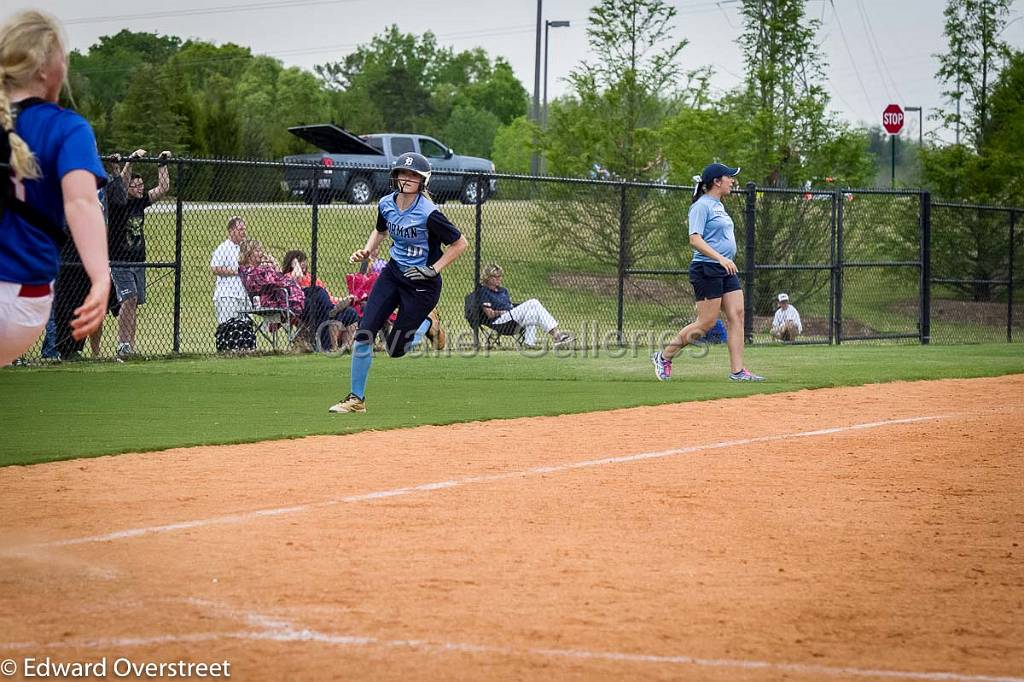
(1009, 286)
(314, 227)
(623, 246)
(837, 199)
(837, 285)
(750, 218)
(178, 231)
(926, 268)
(478, 238)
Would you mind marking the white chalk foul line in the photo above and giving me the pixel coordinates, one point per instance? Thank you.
(275, 629)
(243, 517)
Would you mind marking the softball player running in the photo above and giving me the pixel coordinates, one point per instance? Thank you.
(712, 273)
(49, 174)
(411, 280)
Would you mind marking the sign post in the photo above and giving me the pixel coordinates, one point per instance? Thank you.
(892, 121)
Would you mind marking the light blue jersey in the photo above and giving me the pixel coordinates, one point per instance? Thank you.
(417, 233)
(709, 219)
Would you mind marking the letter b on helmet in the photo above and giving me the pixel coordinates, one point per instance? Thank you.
(413, 162)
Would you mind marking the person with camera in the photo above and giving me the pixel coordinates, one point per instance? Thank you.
(127, 219)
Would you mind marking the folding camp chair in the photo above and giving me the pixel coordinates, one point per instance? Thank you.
(492, 333)
(271, 322)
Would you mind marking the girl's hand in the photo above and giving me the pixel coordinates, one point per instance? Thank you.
(89, 316)
(730, 267)
(358, 255)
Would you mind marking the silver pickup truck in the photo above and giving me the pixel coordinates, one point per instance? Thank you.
(357, 168)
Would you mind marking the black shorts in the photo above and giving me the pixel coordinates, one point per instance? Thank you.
(710, 281)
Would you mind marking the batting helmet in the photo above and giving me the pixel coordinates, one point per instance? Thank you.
(413, 162)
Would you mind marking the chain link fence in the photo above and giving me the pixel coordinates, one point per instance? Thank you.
(608, 259)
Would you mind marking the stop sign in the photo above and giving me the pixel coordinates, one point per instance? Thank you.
(892, 119)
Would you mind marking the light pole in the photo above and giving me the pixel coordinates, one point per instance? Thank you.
(534, 158)
(920, 124)
(544, 107)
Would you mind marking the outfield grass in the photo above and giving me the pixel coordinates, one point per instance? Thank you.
(89, 409)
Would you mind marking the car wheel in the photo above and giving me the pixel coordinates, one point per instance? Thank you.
(469, 191)
(359, 191)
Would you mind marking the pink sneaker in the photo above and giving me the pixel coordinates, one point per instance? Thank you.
(662, 367)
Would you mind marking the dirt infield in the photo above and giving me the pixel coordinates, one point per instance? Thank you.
(856, 533)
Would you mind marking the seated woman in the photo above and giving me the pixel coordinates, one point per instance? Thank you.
(261, 276)
(342, 310)
(531, 315)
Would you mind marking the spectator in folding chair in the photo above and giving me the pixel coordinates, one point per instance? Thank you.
(342, 311)
(305, 309)
(474, 313)
(499, 310)
(261, 276)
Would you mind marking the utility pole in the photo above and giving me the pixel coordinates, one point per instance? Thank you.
(535, 158)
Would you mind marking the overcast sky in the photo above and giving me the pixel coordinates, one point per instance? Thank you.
(878, 51)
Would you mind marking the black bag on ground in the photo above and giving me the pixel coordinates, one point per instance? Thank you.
(238, 333)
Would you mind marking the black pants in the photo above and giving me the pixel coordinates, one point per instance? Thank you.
(69, 293)
(414, 301)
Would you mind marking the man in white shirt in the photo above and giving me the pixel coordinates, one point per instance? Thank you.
(786, 325)
(229, 297)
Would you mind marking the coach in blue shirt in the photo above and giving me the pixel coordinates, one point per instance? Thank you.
(716, 287)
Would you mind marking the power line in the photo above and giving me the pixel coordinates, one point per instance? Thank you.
(853, 62)
(222, 9)
(487, 33)
(876, 51)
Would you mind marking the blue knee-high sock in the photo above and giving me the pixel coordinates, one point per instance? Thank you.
(420, 333)
(362, 358)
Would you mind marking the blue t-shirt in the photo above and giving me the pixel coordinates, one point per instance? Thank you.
(62, 141)
(417, 233)
(709, 219)
(499, 300)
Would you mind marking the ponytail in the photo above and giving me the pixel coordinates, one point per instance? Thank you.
(698, 189)
(22, 161)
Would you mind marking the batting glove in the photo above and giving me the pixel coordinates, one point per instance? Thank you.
(420, 273)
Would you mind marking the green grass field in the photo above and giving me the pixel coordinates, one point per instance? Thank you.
(89, 409)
